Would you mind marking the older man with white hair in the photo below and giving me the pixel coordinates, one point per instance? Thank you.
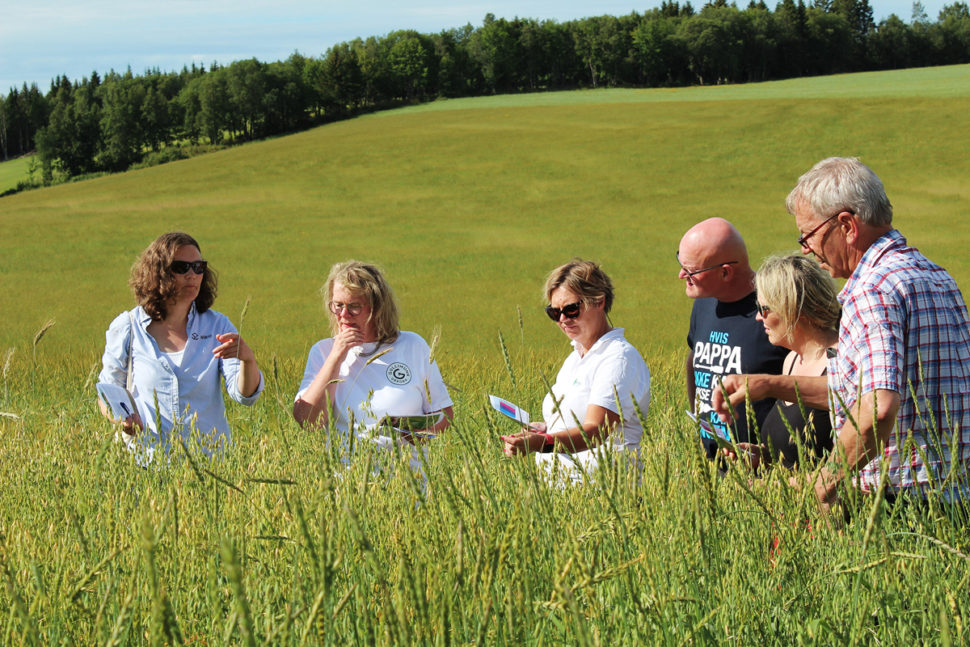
(900, 385)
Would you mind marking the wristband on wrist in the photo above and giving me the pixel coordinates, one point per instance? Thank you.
(548, 442)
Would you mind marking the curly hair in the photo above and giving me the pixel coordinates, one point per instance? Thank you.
(153, 282)
(366, 281)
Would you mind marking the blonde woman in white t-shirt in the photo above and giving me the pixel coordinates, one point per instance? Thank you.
(369, 369)
(594, 401)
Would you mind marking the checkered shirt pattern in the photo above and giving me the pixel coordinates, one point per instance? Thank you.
(904, 328)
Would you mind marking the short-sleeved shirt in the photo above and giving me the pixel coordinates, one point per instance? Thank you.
(612, 375)
(726, 339)
(403, 381)
(905, 329)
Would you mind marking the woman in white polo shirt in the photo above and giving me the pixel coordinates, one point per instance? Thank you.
(370, 368)
(591, 407)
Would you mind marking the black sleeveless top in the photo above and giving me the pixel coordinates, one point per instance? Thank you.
(814, 431)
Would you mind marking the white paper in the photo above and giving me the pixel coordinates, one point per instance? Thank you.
(118, 400)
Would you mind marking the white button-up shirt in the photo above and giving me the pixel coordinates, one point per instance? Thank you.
(176, 397)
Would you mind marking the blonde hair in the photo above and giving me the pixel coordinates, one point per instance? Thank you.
(797, 289)
(365, 281)
(584, 278)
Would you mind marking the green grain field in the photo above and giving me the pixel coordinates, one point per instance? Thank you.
(467, 204)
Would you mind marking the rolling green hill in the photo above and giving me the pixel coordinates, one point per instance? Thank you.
(468, 204)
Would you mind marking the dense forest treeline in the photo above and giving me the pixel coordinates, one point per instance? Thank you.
(109, 124)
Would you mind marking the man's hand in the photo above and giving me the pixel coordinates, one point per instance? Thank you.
(730, 392)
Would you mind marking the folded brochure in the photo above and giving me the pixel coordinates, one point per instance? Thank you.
(509, 410)
(414, 425)
(720, 438)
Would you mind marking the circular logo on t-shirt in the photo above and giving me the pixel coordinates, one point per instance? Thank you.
(398, 373)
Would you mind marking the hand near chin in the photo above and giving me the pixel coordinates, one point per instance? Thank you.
(346, 339)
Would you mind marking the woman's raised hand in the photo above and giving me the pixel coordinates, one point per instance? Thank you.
(233, 346)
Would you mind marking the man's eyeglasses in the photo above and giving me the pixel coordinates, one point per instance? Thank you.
(803, 240)
(181, 267)
(571, 311)
(764, 310)
(692, 273)
(353, 309)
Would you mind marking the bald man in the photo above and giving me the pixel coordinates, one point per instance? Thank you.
(724, 337)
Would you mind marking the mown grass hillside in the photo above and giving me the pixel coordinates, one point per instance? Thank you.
(475, 205)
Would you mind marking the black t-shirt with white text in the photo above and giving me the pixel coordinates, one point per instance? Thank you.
(726, 339)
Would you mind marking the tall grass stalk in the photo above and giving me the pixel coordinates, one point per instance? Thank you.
(39, 335)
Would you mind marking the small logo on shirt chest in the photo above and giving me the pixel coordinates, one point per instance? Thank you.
(196, 335)
(398, 373)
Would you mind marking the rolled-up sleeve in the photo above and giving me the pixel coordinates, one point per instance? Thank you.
(230, 372)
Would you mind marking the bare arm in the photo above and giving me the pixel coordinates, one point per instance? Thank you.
(812, 391)
(859, 441)
(598, 424)
(445, 422)
(314, 406)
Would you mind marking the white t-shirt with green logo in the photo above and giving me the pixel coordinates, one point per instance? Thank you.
(401, 382)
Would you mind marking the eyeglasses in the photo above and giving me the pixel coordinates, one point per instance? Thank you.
(181, 267)
(353, 309)
(803, 240)
(571, 311)
(764, 310)
(692, 273)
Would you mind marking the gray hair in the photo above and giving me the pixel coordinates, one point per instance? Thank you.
(846, 184)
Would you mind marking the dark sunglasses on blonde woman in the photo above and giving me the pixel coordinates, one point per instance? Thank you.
(571, 311)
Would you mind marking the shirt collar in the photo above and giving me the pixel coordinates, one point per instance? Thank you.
(144, 319)
(889, 241)
(616, 333)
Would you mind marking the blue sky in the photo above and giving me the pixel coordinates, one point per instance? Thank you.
(41, 39)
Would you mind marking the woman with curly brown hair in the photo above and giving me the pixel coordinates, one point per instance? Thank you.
(170, 351)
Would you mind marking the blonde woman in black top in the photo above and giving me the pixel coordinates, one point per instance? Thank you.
(798, 307)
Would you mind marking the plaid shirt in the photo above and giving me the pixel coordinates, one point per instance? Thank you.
(904, 328)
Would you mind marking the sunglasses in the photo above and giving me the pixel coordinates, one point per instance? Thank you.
(571, 311)
(353, 309)
(181, 267)
(764, 310)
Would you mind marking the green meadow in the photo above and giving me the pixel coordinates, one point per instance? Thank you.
(14, 171)
(467, 204)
